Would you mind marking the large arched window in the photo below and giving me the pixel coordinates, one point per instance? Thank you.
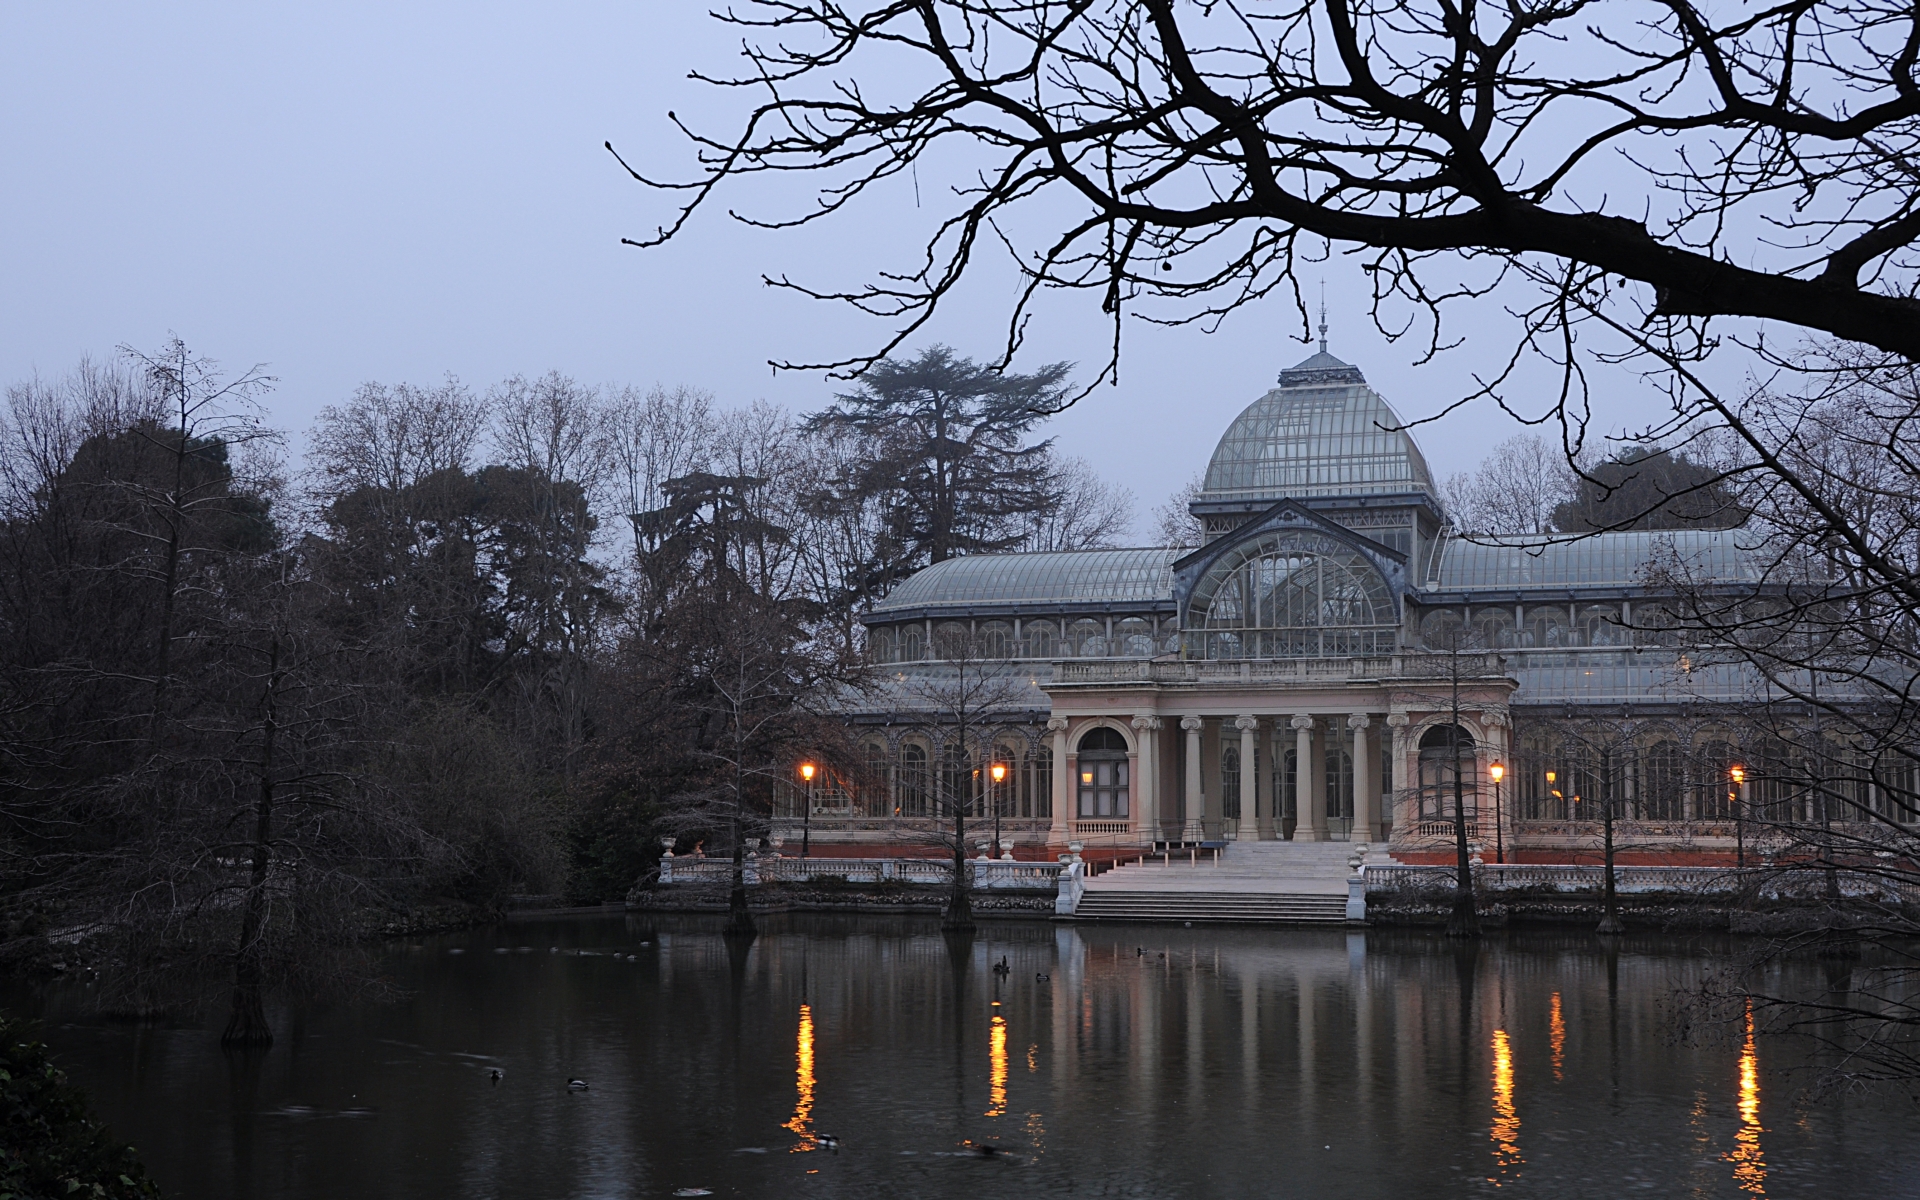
(1447, 757)
(1230, 782)
(910, 786)
(1290, 594)
(1663, 782)
(1103, 775)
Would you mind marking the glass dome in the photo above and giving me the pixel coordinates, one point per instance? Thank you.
(1322, 432)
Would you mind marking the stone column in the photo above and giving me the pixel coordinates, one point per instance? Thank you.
(1271, 781)
(1402, 812)
(1063, 795)
(1194, 830)
(1303, 776)
(1249, 779)
(1365, 794)
(1146, 782)
(1323, 734)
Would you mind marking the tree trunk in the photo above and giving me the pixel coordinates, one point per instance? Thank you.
(247, 1023)
(739, 916)
(959, 914)
(1464, 921)
(1610, 922)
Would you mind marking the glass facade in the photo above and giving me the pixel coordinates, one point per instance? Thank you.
(1290, 594)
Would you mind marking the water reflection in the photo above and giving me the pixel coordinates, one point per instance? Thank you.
(803, 1082)
(1749, 1167)
(1506, 1119)
(1557, 1035)
(1202, 1063)
(996, 1065)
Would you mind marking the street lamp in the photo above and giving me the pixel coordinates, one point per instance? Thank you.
(1498, 770)
(806, 810)
(999, 773)
(1737, 777)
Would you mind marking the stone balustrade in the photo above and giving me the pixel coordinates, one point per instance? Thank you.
(1774, 883)
(988, 874)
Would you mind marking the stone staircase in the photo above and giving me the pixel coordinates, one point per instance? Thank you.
(1264, 882)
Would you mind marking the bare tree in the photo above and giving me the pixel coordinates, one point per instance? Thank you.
(965, 695)
(1173, 523)
(1089, 514)
(1198, 154)
(1515, 490)
(390, 438)
(655, 436)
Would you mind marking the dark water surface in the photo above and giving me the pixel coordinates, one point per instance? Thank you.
(1230, 1063)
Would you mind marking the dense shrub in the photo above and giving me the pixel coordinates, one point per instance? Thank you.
(50, 1145)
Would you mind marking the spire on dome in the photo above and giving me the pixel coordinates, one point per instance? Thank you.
(1323, 316)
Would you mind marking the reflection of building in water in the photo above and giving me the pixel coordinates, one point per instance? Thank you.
(1292, 677)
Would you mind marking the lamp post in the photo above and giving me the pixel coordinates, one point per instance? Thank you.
(999, 775)
(1737, 800)
(806, 810)
(1498, 770)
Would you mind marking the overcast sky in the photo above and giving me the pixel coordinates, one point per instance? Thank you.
(351, 192)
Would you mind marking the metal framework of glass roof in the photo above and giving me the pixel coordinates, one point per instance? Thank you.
(1056, 577)
(1322, 432)
(1597, 560)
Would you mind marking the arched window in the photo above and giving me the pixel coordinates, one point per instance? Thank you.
(956, 781)
(1600, 626)
(1448, 766)
(880, 644)
(1715, 794)
(910, 787)
(1442, 629)
(1339, 768)
(1036, 792)
(1041, 638)
(1289, 594)
(1087, 638)
(877, 794)
(912, 643)
(1230, 782)
(1546, 628)
(1103, 775)
(953, 641)
(1134, 637)
(1663, 782)
(995, 640)
(1493, 628)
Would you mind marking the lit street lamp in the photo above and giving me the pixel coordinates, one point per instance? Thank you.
(806, 810)
(999, 773)
(1498, 770)
(1736, 797)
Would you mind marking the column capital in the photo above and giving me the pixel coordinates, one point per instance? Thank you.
(1359, 720)
(1494, 718)
(1245, 722)
(1399, 720)
(1192, 724)
(1302, 721)
(1057, 724)
(1146, 721)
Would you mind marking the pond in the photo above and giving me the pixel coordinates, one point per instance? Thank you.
(1104, 1060)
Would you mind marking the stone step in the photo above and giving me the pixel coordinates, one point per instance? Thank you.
(1212, 906)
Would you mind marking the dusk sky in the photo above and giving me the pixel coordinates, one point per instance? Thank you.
(352, 192)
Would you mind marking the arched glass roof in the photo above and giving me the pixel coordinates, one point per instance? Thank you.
(1597, 560)
(1322, 432)
(1056, 577)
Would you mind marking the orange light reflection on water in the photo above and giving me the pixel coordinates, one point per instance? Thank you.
(1506, 1119)
(1749, 1167)
(1557, 1030)
(997, 1066)
(803, 1082)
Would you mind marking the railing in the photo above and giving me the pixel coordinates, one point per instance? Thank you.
(1099, 828)
(983, 873)
(1444, 829)
(1235, 671)
(791, 827)
(1630, 880)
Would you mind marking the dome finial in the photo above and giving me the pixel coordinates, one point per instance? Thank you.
(1323, 316)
